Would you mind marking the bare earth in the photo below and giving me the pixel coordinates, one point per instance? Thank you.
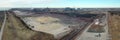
(114, 27)
(15, 30)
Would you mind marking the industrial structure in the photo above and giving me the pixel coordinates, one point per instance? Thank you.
(62, 25)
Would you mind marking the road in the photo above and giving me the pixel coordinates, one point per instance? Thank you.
(74, 33)
(107, 27)
(3, 25)
(77, 38)
(92, 36)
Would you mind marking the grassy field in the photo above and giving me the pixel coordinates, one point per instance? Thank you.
(15, 30)
(114, 27)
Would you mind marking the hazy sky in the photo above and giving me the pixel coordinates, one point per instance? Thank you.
(60, 3)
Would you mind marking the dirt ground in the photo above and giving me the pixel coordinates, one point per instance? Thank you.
(0, 24)
(96, 29)
(114, 27)
(15, 30)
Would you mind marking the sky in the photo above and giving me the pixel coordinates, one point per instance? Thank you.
(60, 3)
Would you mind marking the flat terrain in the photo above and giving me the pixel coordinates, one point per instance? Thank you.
(95, 32)
(55, 22)
(16, 30)
(96, 29)
(114, 27)
(45, 22)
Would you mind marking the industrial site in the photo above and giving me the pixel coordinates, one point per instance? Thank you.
(56, 24)
(59, 24)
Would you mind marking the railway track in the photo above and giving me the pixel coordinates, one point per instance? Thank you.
(74, 34)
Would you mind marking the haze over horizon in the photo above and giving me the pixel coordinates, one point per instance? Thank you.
(61, 3)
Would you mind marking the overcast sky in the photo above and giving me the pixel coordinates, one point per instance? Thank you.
(60, 3)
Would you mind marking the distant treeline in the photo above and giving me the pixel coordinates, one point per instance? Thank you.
(78, 15)
(1, 17)
(114, 12)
